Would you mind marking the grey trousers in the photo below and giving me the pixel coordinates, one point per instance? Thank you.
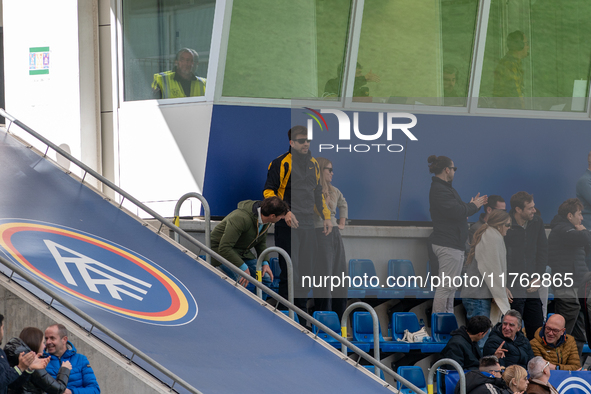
(450, 265)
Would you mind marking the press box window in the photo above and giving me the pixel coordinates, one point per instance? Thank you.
(537, 56)
(286, 49)
(166, 45)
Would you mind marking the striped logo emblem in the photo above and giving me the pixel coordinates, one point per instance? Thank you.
(98, 272)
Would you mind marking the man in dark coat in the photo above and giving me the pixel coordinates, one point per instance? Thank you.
(463, 345)
(506, 337)
(295, 178)
(487, 380)
(527, 256)
(450, 228)
(568, 243)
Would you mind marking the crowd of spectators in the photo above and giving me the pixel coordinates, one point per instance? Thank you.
(508, 244)
(301, 201)
(39, 362)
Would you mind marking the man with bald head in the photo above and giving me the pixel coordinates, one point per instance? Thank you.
(555, 346)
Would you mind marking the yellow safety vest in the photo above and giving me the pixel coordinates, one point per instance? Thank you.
(171, 88)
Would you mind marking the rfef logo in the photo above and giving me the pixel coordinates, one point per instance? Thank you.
(98, 272)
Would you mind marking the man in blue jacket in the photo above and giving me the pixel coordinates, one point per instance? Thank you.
(82, 379)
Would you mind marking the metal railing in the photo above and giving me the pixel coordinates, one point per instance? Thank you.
(206, 213)
(164, 222)
(283, 253)
(453, 363)
(376, 329)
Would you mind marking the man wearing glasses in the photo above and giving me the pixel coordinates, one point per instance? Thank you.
(554, 345)
(487, 379)
(539, 375)
(295, 178)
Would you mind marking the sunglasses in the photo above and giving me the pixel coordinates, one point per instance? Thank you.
(302, 140)
(507, 224)
(328, 168)
(453, 168)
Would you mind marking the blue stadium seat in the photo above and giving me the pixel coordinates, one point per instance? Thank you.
(408, 321)
(363, 332)
(586, 349)
(404, 268)
(331, 320)
(413, 374)
(360, 268)
(442, 324)
(372, 369)
(297, 319)
(447, 380)
(404, 321)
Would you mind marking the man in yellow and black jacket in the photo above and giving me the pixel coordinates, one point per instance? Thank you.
(295, 178)
(181, 81)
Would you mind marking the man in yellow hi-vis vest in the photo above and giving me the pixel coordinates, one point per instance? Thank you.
(181, 81)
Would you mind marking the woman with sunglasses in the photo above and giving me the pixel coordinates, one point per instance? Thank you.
(450, 227)
(330, 255)
(487, 261)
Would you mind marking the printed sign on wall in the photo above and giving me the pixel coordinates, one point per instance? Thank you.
(38, 60)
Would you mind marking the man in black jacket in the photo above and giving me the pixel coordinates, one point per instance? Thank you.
(463, 345)
(450, 228)
(487, 380)
(527, 256)
(295, 178)
(568, 243)
(507, 337)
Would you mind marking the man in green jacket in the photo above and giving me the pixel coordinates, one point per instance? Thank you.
(246, 228)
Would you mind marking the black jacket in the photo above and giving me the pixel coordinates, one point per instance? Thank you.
(449, 215)
(566, 250)
(40, 381)
(8, 376)
(519, 350)
(478, 383)
(527, 251)
(295, 178)
(461, 349)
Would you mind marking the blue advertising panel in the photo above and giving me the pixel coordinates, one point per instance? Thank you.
(494, 155)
